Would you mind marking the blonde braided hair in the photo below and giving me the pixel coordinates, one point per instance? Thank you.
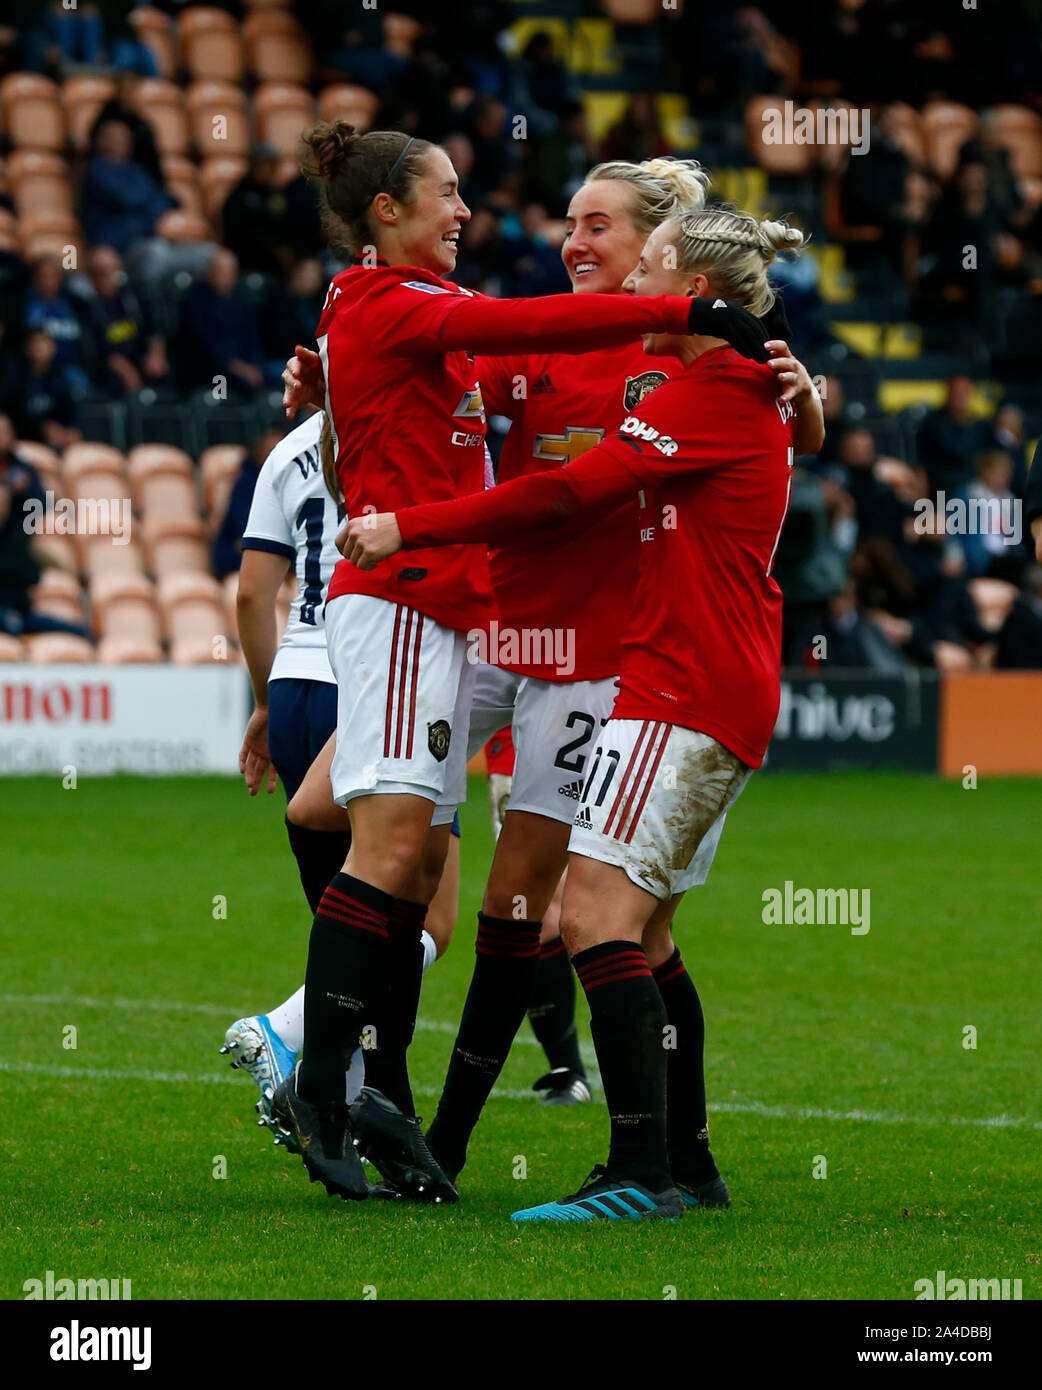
(733, 251)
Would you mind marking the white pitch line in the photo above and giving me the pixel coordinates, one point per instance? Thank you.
(79, 1001)
(754, 1107)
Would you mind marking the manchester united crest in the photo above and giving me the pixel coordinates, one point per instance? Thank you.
(438, 736)
(637, 387)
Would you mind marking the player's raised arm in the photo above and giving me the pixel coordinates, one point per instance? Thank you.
(797, 386)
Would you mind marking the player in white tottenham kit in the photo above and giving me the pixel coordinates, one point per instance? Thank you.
(292, 526)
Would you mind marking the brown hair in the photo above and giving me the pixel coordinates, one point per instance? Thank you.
(328, 455)
(349, 170)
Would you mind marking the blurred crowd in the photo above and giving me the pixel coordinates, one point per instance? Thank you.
(857, 562)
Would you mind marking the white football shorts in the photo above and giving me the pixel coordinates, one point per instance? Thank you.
(403, 700)
(654, 803)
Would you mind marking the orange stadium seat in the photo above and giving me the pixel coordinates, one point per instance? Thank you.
(267, 4)
(57, 584)
(44, 459)
(32, 111)
(217, 178)
(50, 648)
(192, 616)
(124, 605)
(11, 648)
(83, 98)
(162, 482)
(218, 119)
(58, 550)
(947, 125)
(209, 44)
(181, 177)
(156, 32)
(34, 224)
(283, 113)
(277, 49)
(40, 182)
(1018, 130)
(175, 547)
(178, 225)
(162, 104)
(347, 102)
(102, 558)
(782, 158)
(218, 468)
(51, 243)
(55, 605)
(92, 457)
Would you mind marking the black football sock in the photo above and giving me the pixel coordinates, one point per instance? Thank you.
(346, 970)
(394, 1016)
(627, 1018)
(320, 856)
(551, 1010)
(506, 956)
(687, 1131)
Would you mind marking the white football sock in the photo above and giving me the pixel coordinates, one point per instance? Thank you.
(288, 1021)
(430, 949)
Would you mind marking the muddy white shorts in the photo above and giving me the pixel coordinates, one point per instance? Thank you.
(654, 802)
(403, 700)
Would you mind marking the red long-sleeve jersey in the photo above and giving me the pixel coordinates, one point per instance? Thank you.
(406, 409)
(560, 406)
(710, 456)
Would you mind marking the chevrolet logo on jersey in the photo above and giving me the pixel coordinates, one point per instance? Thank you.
(637, 387)
(562, 448)
(471, 406)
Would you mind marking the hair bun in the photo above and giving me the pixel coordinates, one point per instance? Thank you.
(327, 148)
(779, 236)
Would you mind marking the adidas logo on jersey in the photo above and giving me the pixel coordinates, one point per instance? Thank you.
(544, 386)
(573, 791)
(582, 819)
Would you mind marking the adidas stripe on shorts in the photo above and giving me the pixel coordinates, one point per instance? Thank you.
(404, 689)
(654, 803)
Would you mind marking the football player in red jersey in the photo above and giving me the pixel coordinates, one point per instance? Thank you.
(408, 427)
(710, 457)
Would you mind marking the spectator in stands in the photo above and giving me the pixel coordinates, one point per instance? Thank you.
(120, 201)
(291, 313)
(19, 567)
(221, 336)
(494, 151)
(40, 399)
(950, 438)
(873, 187)
(1006, 432)
(809, 564)
(530, 256)
(543, 86)
(1019, 646)
(990, 548)
(851, 640)
(120, 107)
(65, 34)
(797, 282)
(128, 352)
(49, 306)
(227, 547)
(880, 512)
(639, 134)
(126, 52)
(556, 165)
(255, 216)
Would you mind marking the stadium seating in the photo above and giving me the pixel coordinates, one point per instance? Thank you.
(82, 98)
(175, 548)
(209, 44)
(155, 31)
(282, 111)
(277, 49)
(218, 119)
(192, 618)
(947, 125)
(218, 468)
(162, 104)
(47, 648)
(11, 648)
(345, 101)
(217, 178)
(32, 112)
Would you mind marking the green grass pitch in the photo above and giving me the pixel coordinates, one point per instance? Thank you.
(822, 1045)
